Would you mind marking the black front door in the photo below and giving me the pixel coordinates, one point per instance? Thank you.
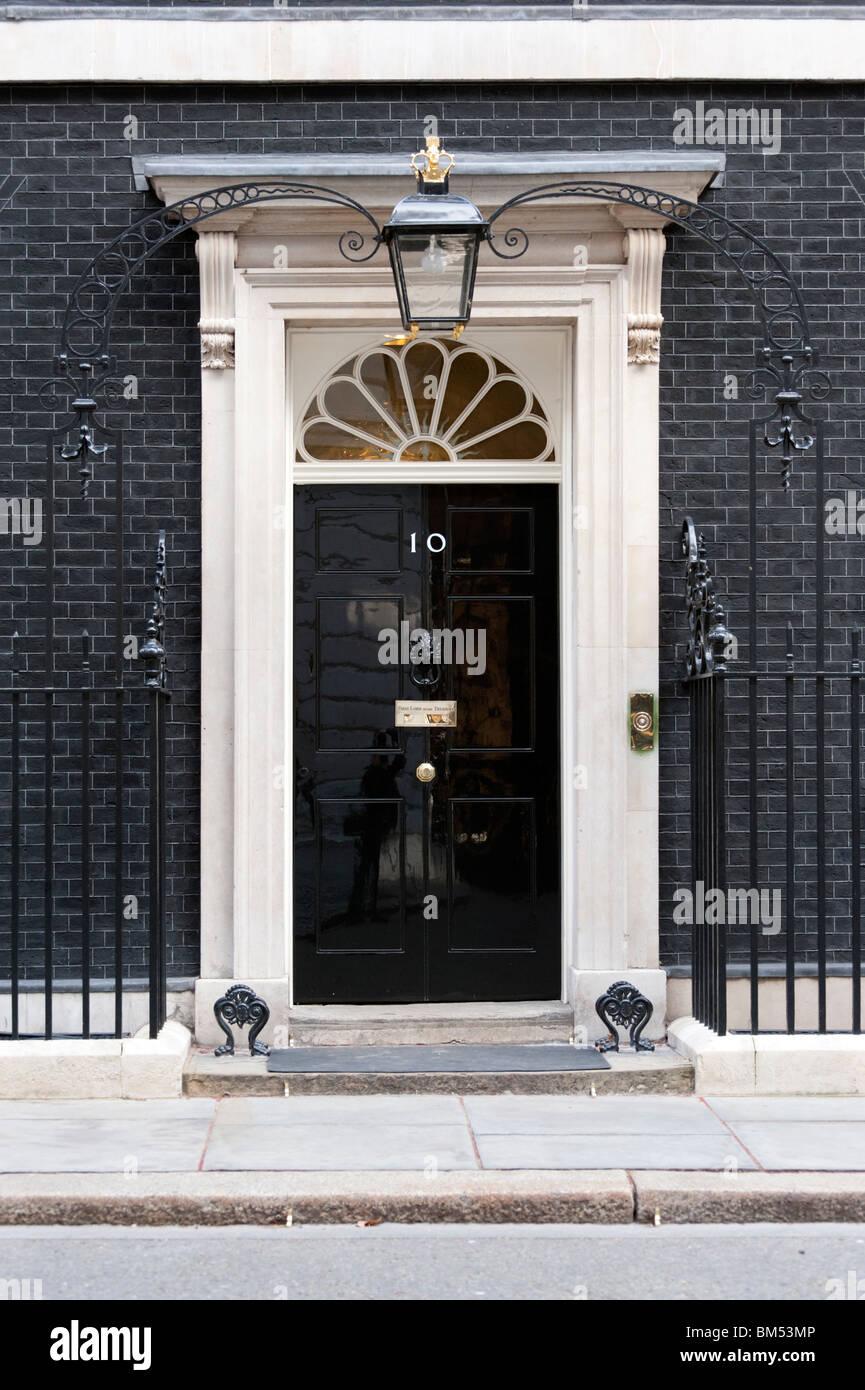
(447, 889)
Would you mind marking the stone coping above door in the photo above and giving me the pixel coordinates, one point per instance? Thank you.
(688, 172)
(378, 182)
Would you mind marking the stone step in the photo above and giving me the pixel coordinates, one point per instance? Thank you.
(383, 1025)
(659, 1073)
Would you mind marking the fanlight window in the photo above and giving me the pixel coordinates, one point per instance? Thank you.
(429, 401)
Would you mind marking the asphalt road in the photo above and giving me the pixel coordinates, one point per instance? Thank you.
(404, 1262)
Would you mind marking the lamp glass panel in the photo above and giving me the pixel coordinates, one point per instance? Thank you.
(436, 269)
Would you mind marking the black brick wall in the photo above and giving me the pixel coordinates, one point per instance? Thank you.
(68, 146)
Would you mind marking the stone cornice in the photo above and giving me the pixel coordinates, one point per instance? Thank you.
(690, 169)
(379, 184)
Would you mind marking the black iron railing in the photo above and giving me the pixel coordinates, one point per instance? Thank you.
(709, 958)
(776, 826)
(82, 829)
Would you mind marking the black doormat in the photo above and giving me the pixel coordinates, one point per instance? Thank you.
(454, 1057)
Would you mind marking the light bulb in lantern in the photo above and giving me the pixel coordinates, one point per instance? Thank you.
(434, 259)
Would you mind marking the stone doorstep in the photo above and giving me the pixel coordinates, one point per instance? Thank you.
(95, 1068)
(362, 1025)
(611, 1197)
(771, 1064)
(662, 1072)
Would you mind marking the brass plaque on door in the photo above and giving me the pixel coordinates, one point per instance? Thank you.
(425, 714)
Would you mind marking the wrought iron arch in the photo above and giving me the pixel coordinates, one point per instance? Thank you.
(84, 363)
(708, 224)
(787, 359)
(111, 269)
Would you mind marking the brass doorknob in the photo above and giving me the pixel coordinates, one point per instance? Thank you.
(425, 772)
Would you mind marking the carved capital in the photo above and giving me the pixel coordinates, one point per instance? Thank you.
(216, 253)
(644, 251)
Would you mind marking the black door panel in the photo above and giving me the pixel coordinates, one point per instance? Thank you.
(448, 890)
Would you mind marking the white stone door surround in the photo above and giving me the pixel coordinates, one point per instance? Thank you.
(606, 314)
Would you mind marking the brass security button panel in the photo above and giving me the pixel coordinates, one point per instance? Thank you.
(643, 722)
(424, 714)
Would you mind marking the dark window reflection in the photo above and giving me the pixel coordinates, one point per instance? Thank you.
(362, 858)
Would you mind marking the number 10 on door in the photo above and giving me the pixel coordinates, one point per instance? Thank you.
(435, 542)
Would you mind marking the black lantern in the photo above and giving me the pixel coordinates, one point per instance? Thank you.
(433, 239)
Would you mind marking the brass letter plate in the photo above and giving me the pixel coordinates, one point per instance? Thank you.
(424, 714)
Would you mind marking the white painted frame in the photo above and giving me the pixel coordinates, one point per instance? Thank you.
(607, 639)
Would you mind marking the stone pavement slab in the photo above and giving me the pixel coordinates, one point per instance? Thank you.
(614, 1132)
(114, 1111)
(584, 1115)
(835, 1147)
(88, 1145)
(611, 1151)
(340, 1110)
(782, 1109)
(339, 1147)
(305, 1133)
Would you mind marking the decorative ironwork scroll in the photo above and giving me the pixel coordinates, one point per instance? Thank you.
(708, 637)
(152, 649)
(92, 384)
(787, 355)
(787, 428)
(87, 322)
(85, 368)
(241, 1005)
(625, 1006)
